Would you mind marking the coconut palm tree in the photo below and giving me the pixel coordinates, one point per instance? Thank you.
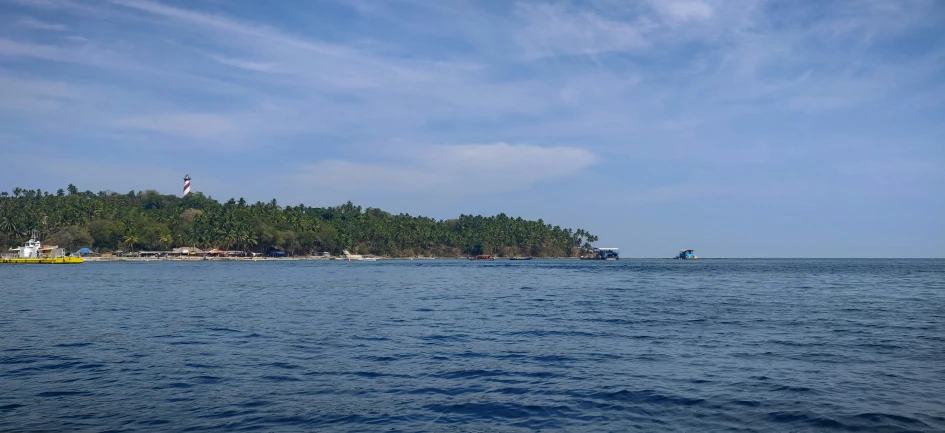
(7, 225)
(131, 239)
(166, 240)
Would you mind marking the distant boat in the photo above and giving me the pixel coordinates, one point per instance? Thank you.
(520, 258)
(483, 257)
(604, 254)
(351, 257)
(686, 254)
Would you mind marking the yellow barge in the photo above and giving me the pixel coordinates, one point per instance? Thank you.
(34, 253)
(42, 260)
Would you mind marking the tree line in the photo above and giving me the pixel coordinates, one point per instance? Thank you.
(147, 220)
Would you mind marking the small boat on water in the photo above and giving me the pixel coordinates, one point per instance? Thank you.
(520, 258)
(33, 252)
(604, 254)
(686, 254)
(483, 257)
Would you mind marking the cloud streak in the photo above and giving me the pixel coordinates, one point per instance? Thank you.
(458, 169)
(35, 24)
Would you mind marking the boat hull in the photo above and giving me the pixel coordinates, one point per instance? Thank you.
(43, 261)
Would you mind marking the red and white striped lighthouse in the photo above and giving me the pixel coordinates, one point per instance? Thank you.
(186, 184)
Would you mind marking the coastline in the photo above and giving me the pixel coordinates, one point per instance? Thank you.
(284, 259)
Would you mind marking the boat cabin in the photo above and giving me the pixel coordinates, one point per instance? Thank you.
(686, 254)
(607, 253)
(33, 249)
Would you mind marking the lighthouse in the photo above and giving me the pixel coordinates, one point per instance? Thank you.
(186, 184)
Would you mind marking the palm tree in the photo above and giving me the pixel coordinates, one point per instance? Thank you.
(131, 239)
(166, 240)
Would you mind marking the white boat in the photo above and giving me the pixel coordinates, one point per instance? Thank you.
(604, 254)
(34, 252)
(356, 257)
(351, 257)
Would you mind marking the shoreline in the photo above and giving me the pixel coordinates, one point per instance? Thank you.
(283, 259)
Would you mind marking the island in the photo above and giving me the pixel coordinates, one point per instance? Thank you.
(108, 222)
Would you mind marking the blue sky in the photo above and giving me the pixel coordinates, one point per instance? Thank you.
(741, 129)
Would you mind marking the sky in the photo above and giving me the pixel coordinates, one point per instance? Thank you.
(754, 128)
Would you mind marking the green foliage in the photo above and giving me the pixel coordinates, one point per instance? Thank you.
(147, 220)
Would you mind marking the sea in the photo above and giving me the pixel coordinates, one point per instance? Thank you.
(473, 346)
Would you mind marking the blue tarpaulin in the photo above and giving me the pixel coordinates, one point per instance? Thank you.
(85, 251)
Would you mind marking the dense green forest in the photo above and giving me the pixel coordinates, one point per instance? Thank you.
(147, 220)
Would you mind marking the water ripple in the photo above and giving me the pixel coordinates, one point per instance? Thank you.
(639, 345)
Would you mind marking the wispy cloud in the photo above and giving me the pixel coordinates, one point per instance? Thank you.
(11, 48)
(243, 64)
(553, 30)
(35, 24)
(457, 169)
(199, 126)
(37, 96)
(682, 11)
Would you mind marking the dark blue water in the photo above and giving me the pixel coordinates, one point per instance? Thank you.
(659, 345)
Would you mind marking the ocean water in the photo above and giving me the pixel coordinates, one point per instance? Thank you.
(634, 345)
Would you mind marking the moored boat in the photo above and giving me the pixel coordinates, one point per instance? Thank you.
(686, 254)
(604, 254)
(33, 252)
(483, 257)
(519, 258)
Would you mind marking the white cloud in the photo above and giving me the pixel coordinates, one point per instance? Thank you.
(243, 64)
(459, 169)
(188, 125)
(11, 48)
(37, 96)
(552, 30)
(681, 11)
(32, 23)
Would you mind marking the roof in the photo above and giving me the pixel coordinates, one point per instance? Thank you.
(683, 250)
(607, 249)
(185, 250)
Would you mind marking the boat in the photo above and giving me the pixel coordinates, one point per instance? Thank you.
(604, 254)
(33, 252)
(351, 257)
(483, 257)
(520, 258)
(686, 254)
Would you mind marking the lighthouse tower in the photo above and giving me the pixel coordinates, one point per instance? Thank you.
(186, 184)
